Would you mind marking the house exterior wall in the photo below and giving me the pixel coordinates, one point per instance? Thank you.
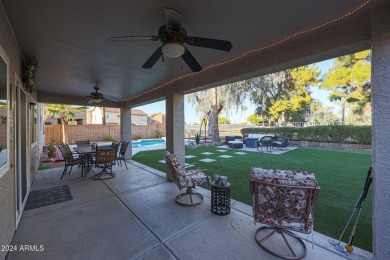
(113, 118)
(7, 181)
(139, 120)
(158, 118)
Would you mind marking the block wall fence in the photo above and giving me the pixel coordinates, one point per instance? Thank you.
(98, 133)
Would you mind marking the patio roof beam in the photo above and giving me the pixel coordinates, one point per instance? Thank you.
(55, 98)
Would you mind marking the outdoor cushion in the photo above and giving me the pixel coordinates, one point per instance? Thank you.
(235, 142)
(284, 177)
(256, 135)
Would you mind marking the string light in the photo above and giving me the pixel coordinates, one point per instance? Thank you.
(267, 46)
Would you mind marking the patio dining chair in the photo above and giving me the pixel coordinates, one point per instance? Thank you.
(283, 201)
(83, 143)
(266, 142)
(122, 153)
(105, 157)
(186, 180)
(69, 159)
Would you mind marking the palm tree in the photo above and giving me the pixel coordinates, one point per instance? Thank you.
(64, 112)
(243, 110)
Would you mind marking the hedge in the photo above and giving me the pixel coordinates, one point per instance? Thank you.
(329, 134)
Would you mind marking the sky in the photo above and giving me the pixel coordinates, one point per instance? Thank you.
(239, 116)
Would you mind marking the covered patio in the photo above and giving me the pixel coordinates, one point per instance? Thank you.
(69, 41)
(134, 216)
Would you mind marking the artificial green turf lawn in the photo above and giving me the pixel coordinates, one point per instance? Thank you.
(340, 174)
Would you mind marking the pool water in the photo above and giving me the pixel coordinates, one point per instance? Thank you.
(147, 142)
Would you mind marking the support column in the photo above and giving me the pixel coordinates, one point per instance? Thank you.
(126, 129)
(380, 40)
(175, 126)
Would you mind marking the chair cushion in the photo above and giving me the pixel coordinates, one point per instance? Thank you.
(197, 176)
(284, 177)
(175, 164)
(287, 223)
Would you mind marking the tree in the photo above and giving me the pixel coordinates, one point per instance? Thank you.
(277, 95)
(349, 80)
(223, 120)
(207, 101)
(64, 112)
(321, 115)
(256, 120)
(243, 110)
(294, 100)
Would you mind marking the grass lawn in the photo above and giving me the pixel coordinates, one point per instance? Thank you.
(340, 174)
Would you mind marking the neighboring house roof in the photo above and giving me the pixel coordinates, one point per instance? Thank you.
(138, 112)
(112, 110)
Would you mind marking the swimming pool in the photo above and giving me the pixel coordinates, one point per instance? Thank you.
(147, 142)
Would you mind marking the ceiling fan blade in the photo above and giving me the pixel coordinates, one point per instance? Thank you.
(110, 100)
(173, 19)
(132, 38)
(209, 43)
(153, 59)
(191, 61)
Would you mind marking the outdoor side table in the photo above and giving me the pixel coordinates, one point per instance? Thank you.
(220, 199)
(251, 142)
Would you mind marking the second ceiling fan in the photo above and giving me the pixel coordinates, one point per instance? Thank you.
(173, 37)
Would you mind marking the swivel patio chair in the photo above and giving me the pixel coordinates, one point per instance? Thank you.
(105, 157)
(283, 200)
(266, 142)
(122, 153)
(186, 180)
(69, 159)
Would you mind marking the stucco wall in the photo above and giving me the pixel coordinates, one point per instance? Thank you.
(7, 182)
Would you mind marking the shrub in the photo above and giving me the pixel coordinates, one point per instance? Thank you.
(223, 120)
(330, 134)
(109, 138)
(197, 138)
(52, 146)
(158, 134)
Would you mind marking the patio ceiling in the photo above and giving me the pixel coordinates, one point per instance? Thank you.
(69, 37)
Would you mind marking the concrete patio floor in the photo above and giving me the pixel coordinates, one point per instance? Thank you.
(134, 216)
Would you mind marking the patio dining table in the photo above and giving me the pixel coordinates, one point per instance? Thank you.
(85, 153)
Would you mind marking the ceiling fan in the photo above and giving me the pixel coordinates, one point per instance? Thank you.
(173, 37)
(97, 97)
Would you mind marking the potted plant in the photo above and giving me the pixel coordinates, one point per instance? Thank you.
(52, 149)
(197, 138)
(109, 138)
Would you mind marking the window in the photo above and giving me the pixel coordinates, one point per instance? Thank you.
(4, 107)
(33, 122)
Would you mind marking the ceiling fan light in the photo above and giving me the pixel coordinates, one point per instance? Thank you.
(97, 100)
(173, 49)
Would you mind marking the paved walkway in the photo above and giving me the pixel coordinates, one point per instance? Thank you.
(134, 216)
